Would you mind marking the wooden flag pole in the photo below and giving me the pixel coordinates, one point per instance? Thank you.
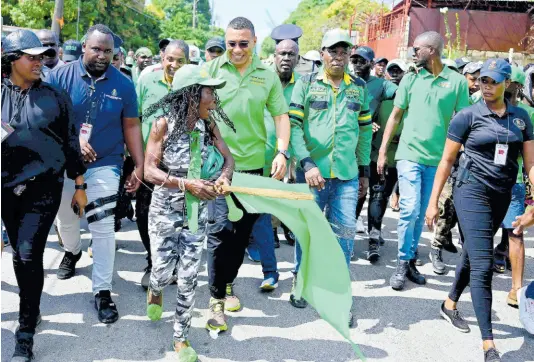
(278, 194)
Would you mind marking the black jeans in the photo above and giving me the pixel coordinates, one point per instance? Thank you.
(481, 211)
(28, 219)
(227, 242)
(142, 206)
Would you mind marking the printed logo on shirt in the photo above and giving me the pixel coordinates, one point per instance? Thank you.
(114, 92)
(520, 124)
(257, 80)
(444, 84)
(352, 93)
(113, 95)
(320, 91)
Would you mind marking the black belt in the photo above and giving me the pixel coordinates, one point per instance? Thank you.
(100, 215)
(100, 202)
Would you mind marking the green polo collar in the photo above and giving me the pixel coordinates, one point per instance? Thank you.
(445, 73)
(256, 62)
(322, 75)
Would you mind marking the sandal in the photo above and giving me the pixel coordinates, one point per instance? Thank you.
(154, 311)
(512, 299)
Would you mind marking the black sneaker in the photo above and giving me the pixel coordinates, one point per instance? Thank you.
(297, 303)
(437, 261)
(398, 279)
(455, 318)
(23, 351)
(67, 267)
(145, 280)
(373, 253)
(107, 310)
(413, 274)
(492, 355)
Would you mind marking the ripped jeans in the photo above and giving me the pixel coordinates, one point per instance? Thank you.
(338, 200)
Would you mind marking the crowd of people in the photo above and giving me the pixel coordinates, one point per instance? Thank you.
(447, 142)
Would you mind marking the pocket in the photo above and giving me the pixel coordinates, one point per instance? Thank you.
(319, 105)
(353, 106)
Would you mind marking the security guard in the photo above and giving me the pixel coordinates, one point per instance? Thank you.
(286, 31)
(151, 88)
(330, 119)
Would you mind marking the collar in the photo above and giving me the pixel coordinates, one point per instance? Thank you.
(485, 111)
(322, 75)
(445, 72)
(255, 64)
(163, 80)
(85, 73)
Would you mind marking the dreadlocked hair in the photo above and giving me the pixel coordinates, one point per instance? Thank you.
(175, 106)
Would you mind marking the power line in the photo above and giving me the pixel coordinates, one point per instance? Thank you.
(137, 11)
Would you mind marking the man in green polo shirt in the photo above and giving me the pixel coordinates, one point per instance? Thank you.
(151, 88)
(331, 134)
(427, 100)
(250, 87)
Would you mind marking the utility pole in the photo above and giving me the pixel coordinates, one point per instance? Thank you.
(213, 14)
(78, 22)
(57, 21)
(195, 14)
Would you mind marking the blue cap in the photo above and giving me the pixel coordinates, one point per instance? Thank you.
(364, 52)
(381, 59)
(462, 62)
(286, 31)
(117, 42)
(72, 50)
(497, 69)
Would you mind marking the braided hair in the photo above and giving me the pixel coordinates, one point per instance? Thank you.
(183, 104)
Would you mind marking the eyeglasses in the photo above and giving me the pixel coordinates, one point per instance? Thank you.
(416, 49)
(241, 44)
(334, 54)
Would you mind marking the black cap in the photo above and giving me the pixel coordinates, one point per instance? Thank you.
(163, 43)
(27, 42)
(117, 42)
(72, 50)
(286, 31)
(381, 59)
(216, 42)
(365, 52)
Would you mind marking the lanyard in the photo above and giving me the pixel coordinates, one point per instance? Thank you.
(495, 129)
(20, 104)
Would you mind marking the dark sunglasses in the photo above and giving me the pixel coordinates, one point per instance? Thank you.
(242, 44)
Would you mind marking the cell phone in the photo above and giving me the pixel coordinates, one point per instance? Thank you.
(76, 209)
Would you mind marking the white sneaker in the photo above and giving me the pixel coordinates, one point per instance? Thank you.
(360, 227)
(526, 310)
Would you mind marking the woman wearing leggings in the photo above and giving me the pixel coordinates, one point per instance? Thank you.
(493, 133)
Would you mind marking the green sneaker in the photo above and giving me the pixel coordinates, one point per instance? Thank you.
(232, 303)
(216, 320)
(185, 353)
(154, 311)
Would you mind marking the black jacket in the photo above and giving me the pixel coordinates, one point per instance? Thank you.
(45, 142)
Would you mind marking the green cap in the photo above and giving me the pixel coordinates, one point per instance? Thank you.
(143, 51)
(190, 74)
(335, 36)
(518, 75)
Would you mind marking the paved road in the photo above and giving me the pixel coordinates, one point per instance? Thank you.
(391, 326)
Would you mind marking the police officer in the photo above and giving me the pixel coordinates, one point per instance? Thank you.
(330, 118)
(285, 32)
(105, 106)
(215, 47)
(151, 88)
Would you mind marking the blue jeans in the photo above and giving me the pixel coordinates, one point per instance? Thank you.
(262, 239)
(415, 186)
(517, 205)
(338, 200)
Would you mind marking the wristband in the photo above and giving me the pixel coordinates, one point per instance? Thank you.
(80, 187)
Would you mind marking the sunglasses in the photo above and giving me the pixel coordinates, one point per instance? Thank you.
(241, 44)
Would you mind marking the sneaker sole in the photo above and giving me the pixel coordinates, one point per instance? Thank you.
(65, 277)
(210, 327)
(512, 303)
(448, 319)
(269, 287)
(235, 309)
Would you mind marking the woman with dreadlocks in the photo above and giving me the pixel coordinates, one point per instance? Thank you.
(184, 155)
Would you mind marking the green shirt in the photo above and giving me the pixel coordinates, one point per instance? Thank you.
(428, 103)
(244, 99)
(270, 126)
(475, 97)
(135, 74)
(151, 88)
(379, 90)
(331, 128)
(382, 119)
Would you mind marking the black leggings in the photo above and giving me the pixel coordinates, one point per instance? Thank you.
(28, 219)
(481, 211)
(142, 207)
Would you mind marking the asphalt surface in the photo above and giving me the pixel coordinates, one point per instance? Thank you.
(390, 325)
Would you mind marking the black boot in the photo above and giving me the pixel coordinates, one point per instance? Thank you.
(413, 274)
(437, 261)
(23, 350)
(398, 279)
(373, 254)
(107, 310)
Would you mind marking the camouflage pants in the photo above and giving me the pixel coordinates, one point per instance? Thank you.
(447, 217)
(174, 247)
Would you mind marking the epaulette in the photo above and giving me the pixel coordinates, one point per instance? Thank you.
(357, 80)
(309, 78)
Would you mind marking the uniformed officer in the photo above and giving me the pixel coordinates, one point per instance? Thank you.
(151, 88)
(330, 118)
(250, 87)
(286, 31)
(421, 143)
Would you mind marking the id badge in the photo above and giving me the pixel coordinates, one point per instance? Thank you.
(7, 130)
(85, 131)
(501, 152)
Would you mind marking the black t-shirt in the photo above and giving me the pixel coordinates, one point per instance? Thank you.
(479, 130)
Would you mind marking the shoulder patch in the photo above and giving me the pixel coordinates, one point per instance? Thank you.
(357, 80)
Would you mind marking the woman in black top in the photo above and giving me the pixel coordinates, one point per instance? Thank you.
(39, 142)
(493, 133)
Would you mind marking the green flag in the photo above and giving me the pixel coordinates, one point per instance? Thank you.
(323, 278)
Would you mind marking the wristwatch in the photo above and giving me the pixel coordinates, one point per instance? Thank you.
(80, 187)
(285, 153)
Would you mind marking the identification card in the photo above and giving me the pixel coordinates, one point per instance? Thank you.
(86, 130)
(7, 130)
(501, 152)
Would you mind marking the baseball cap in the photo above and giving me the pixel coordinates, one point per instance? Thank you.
(312, 55)
(518, 76)
(462, 62)
(164, 42)
(216, 42)
(450, 63)
(117, 42)
(190, 74)
(335, 36)
(143, 51)
(194, 54)
(399, 63)
(25, 41)
(72, 50)
(365, 52)
(381, 59)
(472, 67)
(497, 69)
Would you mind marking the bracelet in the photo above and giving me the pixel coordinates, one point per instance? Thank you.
(80, 187)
